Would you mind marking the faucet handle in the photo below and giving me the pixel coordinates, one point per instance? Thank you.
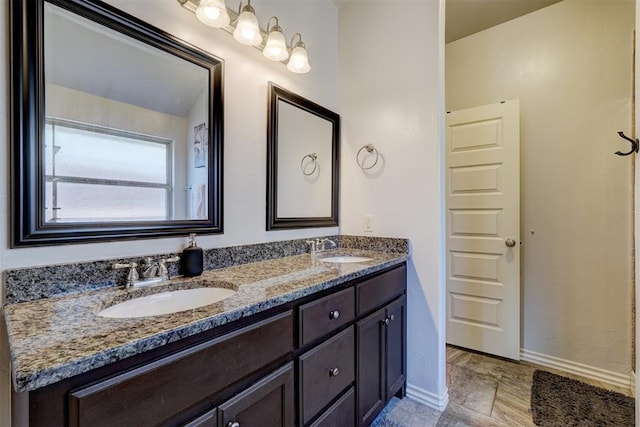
(163, 271)
(132, 276)
(312, 246)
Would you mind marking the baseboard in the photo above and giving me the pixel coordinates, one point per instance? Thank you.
(432, 400)
(591, 372)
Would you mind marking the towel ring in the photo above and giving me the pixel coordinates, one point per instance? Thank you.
(370, 149)
(314, 158)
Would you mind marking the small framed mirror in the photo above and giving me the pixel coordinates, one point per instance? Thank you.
(116, 127)
(303, 143)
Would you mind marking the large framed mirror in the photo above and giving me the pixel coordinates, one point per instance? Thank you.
(303, 143)
(116, 127)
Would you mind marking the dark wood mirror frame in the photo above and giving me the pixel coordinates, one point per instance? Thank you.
(28, 227)
(277, 94)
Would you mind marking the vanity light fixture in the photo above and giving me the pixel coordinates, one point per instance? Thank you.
(244, 27)
(299, 61)
(275, 46)
(213, 13)
(247, 29)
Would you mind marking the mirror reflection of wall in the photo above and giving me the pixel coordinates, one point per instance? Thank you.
(304, 184)
(147, 109)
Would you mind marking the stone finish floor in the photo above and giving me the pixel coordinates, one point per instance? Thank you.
(483, 391)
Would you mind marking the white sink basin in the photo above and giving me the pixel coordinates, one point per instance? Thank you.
(345, 259)
(166, 302)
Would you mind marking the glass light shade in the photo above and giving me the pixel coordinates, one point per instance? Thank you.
(275, 48)
(299, 61)
(247, 30)
(213, 13)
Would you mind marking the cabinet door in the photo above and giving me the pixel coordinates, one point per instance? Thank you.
(210, 419)
(396, 346)
(340, 414)
(268, 403)
(371, 366)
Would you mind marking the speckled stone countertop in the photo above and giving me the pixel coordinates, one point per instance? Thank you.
(56, 338)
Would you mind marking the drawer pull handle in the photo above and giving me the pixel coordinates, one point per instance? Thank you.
(334, 314)
(334, 372)
(233, 424)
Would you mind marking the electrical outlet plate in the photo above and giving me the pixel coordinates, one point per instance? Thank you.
(367, 221)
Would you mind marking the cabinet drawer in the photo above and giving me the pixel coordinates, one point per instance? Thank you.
(325, 371)
(154, 392)
(325, 315)
(378, 290)
(341, 413)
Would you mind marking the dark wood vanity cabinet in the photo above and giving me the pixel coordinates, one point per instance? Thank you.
(375, 341)
(327, 360)
(381, 359)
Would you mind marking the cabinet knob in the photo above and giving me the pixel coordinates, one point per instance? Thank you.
(233, 424)
(332, 373)
(391, 317)
(386, 321)
(334, 314)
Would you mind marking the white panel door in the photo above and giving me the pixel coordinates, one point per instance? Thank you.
(483, 229)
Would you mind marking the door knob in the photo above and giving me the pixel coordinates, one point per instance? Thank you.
(510, 243)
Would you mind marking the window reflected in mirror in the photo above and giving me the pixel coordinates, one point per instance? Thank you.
(88, 179)
(156, 98)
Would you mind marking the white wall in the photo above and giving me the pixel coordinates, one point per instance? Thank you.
(389, 78)
(304, 185)
(570, 65)
(246, 74)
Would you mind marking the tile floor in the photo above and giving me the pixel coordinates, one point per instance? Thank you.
(483, 391)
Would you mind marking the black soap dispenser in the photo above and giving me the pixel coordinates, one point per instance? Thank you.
(192, 259)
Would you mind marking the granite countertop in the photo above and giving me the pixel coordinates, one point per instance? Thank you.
(56, 338)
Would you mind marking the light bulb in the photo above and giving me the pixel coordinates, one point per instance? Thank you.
(299, 61)
(248, 33)
(247, 30)
(213, 13)
(275, 47)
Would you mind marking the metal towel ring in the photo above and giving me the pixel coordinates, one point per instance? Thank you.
(370, 149)
(313, 157)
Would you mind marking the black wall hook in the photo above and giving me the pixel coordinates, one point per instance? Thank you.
(634, 145)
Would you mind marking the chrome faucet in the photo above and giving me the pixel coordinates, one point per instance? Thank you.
(153, 272)
(319, 245)
(149, 268)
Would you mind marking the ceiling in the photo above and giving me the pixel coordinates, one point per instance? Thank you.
(88, 57)
(466, 17)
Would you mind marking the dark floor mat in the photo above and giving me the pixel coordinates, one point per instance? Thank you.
(560, 401)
